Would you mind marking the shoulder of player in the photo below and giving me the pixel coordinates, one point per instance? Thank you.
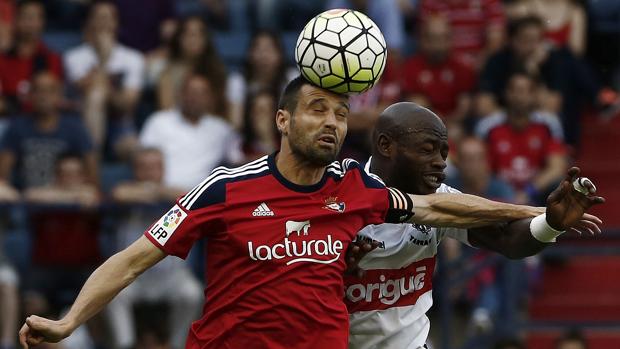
(351, 166)
(212, 190)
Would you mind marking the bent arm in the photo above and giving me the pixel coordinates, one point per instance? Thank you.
(466, 211)
(110, 278)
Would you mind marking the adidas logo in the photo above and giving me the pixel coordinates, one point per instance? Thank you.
(262, 211)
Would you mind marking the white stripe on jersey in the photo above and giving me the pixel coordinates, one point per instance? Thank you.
(223, 176)
(256, 163)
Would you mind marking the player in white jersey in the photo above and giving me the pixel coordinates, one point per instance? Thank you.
(388, 304)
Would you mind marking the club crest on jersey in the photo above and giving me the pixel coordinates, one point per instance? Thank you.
(332, 204)
(163, 229)
(420, 235)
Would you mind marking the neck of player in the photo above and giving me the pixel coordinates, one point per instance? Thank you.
(297, 170)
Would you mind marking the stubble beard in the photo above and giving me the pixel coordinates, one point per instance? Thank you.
(302, 147)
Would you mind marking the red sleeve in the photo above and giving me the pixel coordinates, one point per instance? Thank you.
(178, 229)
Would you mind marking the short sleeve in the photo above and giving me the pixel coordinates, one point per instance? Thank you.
(195, 215)
(399, 205)
(134, 78)
(455, 233)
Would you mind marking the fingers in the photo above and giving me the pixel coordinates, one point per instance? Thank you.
(592, 218)
(23, 335)
(572, 174)
(592, 227)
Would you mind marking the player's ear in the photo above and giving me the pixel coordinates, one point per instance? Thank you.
(283, 120)
(385, 145)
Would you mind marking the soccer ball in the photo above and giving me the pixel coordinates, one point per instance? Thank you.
(342, 51)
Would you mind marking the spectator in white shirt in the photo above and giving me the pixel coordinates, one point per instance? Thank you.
(192, 141)
(109, 76)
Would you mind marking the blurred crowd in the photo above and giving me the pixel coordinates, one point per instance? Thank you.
(104, 135)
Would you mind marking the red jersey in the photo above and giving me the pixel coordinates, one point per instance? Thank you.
(275, 252)
(16, 72)
(469, 20)
(518, 155)
(441, 84)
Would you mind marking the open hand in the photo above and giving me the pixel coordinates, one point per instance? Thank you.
(566, 206)
(356, 251)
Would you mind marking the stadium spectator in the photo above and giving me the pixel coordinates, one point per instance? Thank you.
(435, 77)
(475, 177)
(139, 29)
(7, 14)
(9, 303)
(156, 59)
(260, 136)
(264, 69)
(565, 21)
(525, 146)
(32, 144)
(191, 138)
(26, 56)
(385, 13)
(572, 339)
(65, 226)
(567, 81)
(192, 50)
(109, 77)
(477, 26)
(170, 281)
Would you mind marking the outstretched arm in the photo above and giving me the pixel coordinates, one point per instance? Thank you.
(106, 282)
(566, 209)
(466, 211)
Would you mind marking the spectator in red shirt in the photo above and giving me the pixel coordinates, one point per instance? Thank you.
(436, 78)
(27, 56)
(525, 146)
(478, 25)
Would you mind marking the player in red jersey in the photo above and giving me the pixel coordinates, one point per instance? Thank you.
(277, 229)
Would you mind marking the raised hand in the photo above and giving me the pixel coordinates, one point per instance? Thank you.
(566, 206)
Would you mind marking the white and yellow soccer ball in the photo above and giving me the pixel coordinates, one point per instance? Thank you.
(341, 50)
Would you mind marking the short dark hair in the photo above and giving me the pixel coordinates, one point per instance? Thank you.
(515, 26)
(290, 95)
(572, 335)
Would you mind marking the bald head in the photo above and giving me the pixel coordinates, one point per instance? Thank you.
(410, 146)
(401, 120)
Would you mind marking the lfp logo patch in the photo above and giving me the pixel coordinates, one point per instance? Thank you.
(172, 218)
(163, 229)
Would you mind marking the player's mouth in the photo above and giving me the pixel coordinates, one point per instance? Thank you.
(327, 140)
(434, 179)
